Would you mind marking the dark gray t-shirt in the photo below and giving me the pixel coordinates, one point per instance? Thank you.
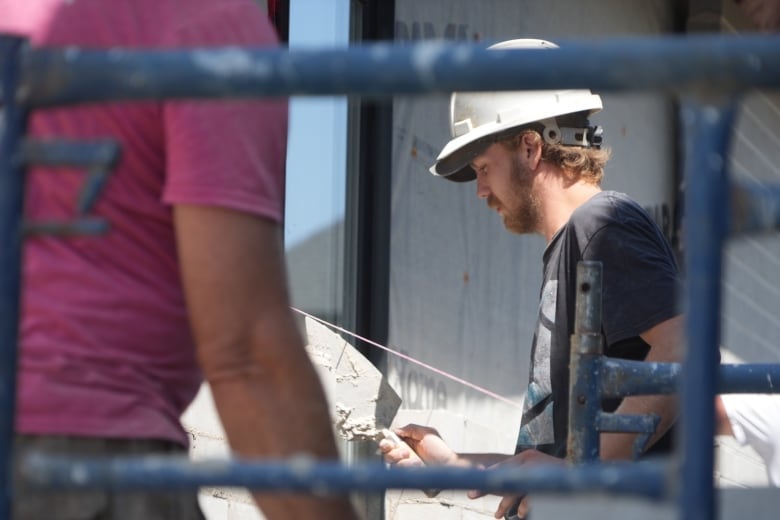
(641, 283)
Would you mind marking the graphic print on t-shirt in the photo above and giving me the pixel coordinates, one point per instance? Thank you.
(537, 424)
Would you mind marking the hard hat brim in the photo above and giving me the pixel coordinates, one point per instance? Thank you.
(456, 166)
(454, 161)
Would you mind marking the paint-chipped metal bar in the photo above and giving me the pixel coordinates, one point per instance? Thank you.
(587, 349)
(90, 192)
(11, 202)
(86, 226)
(754, 207)
(749, 379)
(620, 377)
(644, 425)
(61, 77)
(708, 121)
(647, 479)
(610, 422)
(95, 154)
(99, 157)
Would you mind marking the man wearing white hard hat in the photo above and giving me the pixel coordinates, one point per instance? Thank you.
(538, 162)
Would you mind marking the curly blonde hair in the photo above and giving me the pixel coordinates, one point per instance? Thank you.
(578, 163)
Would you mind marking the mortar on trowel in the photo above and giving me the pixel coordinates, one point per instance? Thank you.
(362, 403)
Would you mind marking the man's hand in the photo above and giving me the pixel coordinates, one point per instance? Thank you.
(421, 445)
(518, 500)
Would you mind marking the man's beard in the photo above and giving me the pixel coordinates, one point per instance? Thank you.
(522, 214)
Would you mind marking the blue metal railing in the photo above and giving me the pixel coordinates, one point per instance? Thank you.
(712, 71)
(148, 473)
(11, 201)
(384, 69)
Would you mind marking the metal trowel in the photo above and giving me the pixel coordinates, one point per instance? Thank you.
(362, 403)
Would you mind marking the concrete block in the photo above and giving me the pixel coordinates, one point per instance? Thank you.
(359, 396)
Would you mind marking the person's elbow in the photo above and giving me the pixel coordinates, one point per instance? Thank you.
(252, 350)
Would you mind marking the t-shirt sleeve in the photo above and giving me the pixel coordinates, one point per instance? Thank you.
(640, 282)
(227, 153)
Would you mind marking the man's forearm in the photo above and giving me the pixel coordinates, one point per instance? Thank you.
(620, 446)
(266, 390)
(274, 407)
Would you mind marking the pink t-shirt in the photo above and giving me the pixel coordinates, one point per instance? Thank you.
(106, 348)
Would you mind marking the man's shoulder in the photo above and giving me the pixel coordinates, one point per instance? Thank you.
(606, 205)
(608, 209)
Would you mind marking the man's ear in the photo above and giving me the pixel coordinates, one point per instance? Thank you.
(531, 149)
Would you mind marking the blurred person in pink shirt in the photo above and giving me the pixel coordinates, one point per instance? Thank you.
(117, 331)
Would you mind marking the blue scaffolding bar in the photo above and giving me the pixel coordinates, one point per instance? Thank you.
(646, 479)
(587, 351)
(708, 122)
(12, 128)
(620, 378)
(60, 77)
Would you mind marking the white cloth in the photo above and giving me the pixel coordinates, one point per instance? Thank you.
(755, 421)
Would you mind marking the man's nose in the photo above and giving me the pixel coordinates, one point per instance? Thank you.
(483, 191)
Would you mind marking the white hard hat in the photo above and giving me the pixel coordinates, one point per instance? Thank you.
(478, 118)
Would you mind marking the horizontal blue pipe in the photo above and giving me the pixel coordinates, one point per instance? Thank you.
(609, 422)
(60, 152)
(646, 479)
(746, 379)
(78, 226)
(622, 377)
(58, 77)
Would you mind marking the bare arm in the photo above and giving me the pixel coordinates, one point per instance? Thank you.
(665, 340)
(265, 389)
(722, 422)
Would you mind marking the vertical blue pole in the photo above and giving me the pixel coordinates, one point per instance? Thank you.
(587, 347)
(11, 202)
(707, 130)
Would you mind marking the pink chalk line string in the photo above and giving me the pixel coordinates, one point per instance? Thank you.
(415, 361)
